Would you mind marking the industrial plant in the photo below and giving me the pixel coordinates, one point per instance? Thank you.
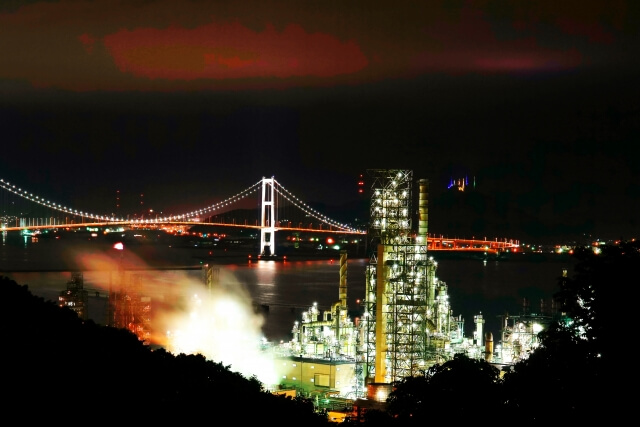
(407, 323)
(348, 360)
(75, 297)
(129, 308)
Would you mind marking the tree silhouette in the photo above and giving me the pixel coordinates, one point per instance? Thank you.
(571, 377)
(461, 389)
(59, 367)
(558, 383)
(595, 297)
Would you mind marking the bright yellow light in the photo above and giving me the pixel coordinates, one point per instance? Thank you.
(221, 326)
(381, 395)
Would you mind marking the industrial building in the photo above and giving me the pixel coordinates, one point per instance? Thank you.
(407, 324)
(75, 296)
(404, 323)
(129, 308)
(519, 333)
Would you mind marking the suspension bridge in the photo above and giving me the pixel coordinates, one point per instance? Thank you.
(278, 210)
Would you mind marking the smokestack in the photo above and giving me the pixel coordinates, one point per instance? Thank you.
(423, 209)
(341, 309)
(488, 347)
(343, 279)
(479, 335)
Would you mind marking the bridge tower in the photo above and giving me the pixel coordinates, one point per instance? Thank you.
(268, 218)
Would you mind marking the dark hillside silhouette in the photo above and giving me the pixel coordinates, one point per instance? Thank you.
(60, 367)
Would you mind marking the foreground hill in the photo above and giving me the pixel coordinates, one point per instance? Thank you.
(60, 367)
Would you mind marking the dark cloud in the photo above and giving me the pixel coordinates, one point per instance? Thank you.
(188, 101)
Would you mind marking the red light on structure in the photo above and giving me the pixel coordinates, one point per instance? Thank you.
(119, 246)
(360, 185)
(330, 241)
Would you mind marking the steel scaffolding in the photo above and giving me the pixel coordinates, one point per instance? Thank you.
(395, 285)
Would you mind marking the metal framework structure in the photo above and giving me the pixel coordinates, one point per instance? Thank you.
(129, 308)
(75, 296)
(407, 318)
(395, 294)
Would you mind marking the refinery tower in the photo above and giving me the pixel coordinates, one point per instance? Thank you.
(407, 324)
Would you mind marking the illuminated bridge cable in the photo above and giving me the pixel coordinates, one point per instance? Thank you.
(282, 193)
(51, 205)
(309, 210)
(434, 243)
(109, 218)
(225, 203)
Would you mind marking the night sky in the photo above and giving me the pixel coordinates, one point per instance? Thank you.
(189, 102)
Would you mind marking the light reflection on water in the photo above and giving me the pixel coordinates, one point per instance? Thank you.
(279, 291)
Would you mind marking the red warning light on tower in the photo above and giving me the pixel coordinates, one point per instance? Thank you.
(361, 184)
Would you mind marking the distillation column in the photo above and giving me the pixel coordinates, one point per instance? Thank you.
(397, 282)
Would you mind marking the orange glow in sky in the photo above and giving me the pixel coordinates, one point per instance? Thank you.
(170, 45)
(231, 51)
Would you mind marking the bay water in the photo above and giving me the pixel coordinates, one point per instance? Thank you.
(274, 293)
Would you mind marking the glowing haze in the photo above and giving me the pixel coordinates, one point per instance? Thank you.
(218, 323)
(221, 325)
